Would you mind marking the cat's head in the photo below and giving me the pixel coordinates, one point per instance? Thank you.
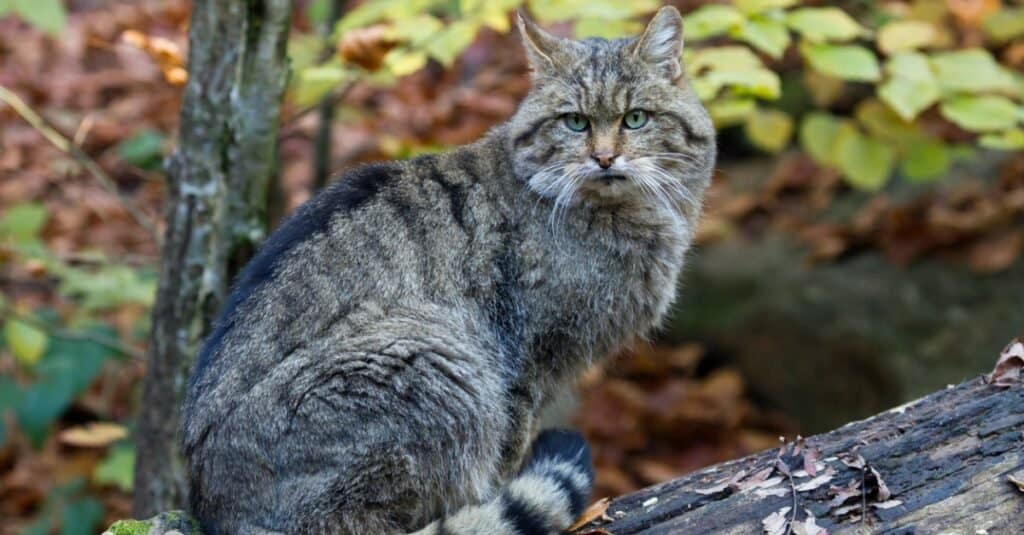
(613, 122)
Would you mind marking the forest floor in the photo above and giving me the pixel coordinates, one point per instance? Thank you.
(112, 85)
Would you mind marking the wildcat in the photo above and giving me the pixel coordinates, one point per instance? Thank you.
(380, 364)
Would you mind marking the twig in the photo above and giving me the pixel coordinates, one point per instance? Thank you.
(62, 143)
(100, 259)
(334, 97)
(109, 343)
(322, 143)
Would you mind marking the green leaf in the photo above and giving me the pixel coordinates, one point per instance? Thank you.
(449, 43)
(548, 11)
(865, 162)
(26, 342)
(984, 113)
(913, 65)
(22, 222)
(1005, 24)
(927, 159)
(730, 111)
(972, 71)
(769, 130)
(313, 83)
(821, 24)
(117, 469)
(726, 58)
(395, 10)
(912, 87)
(711, 20)
(882, 122)
(759, 83)
(909, 97)
(108, 287)
(402, 61)
(760, 6)
(417, 30)
(81, 517)
(65, 371)
(1012, 139)
(903, 35)
(144, 149)
(818, 133)
(847, 62)
(766, 35)
(47, 15)
(605, 28)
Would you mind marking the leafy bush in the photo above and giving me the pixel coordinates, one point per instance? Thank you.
(862, 93)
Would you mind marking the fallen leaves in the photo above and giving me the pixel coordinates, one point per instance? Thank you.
(1017, 480)
(93, 435)
(1009, 368)
(596, 511)
(164, 52)
(367, 47)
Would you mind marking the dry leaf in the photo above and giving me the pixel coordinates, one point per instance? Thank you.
(93, 435)
(825, 477)
(1009, 368)
(809, 526)
(883, 491)
(1018, 481)
(842, 494)
(888, 504)
(811, 456)
(367, 47)
(592, 513)
(776, 523)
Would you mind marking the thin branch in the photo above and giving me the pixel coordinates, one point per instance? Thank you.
(62, 143)
(86, 257)
(110, 343)
(334, 97)
(322, 143)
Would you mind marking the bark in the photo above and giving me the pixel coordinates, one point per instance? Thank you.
(215, 213)
(947, 458)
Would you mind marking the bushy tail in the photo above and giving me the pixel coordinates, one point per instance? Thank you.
(549, 493)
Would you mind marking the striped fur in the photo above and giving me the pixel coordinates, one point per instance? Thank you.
(381, 363)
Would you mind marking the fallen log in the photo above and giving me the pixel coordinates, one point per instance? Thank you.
(951, 462)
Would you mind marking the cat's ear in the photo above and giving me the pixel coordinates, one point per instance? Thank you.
(541, 47)
(661, 44)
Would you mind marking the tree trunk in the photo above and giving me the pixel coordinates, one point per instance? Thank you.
(946, 459)
(215, 212)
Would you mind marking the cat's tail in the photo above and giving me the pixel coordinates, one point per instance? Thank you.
(549, 493)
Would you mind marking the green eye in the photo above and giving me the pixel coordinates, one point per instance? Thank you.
(576, 122)
(635, 119)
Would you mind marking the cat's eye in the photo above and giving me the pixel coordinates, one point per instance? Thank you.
(635, 119)
(576, 122)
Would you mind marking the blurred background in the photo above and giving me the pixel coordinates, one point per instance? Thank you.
(861, 246)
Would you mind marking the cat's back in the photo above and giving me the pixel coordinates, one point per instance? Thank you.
(382, 235)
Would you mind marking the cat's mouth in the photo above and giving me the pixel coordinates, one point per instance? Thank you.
(608, 176)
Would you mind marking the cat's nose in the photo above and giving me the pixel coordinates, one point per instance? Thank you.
(604, 159)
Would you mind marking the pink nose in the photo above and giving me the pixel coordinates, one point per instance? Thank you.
(604, 159)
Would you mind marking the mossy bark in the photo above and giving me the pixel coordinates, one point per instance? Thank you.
(218, 180)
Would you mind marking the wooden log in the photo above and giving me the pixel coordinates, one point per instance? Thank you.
(948, 461)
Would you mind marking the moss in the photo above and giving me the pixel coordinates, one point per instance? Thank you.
(129, 527)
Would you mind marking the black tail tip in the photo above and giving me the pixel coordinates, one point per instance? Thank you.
(562, 446)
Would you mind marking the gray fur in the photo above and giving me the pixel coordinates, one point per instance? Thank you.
(382, 363)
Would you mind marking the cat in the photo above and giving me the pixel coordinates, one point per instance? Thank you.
(380, 364)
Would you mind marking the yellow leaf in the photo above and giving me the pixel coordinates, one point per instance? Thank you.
(27, 343)
(93, 435)
(769, 130)
(905, 35)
